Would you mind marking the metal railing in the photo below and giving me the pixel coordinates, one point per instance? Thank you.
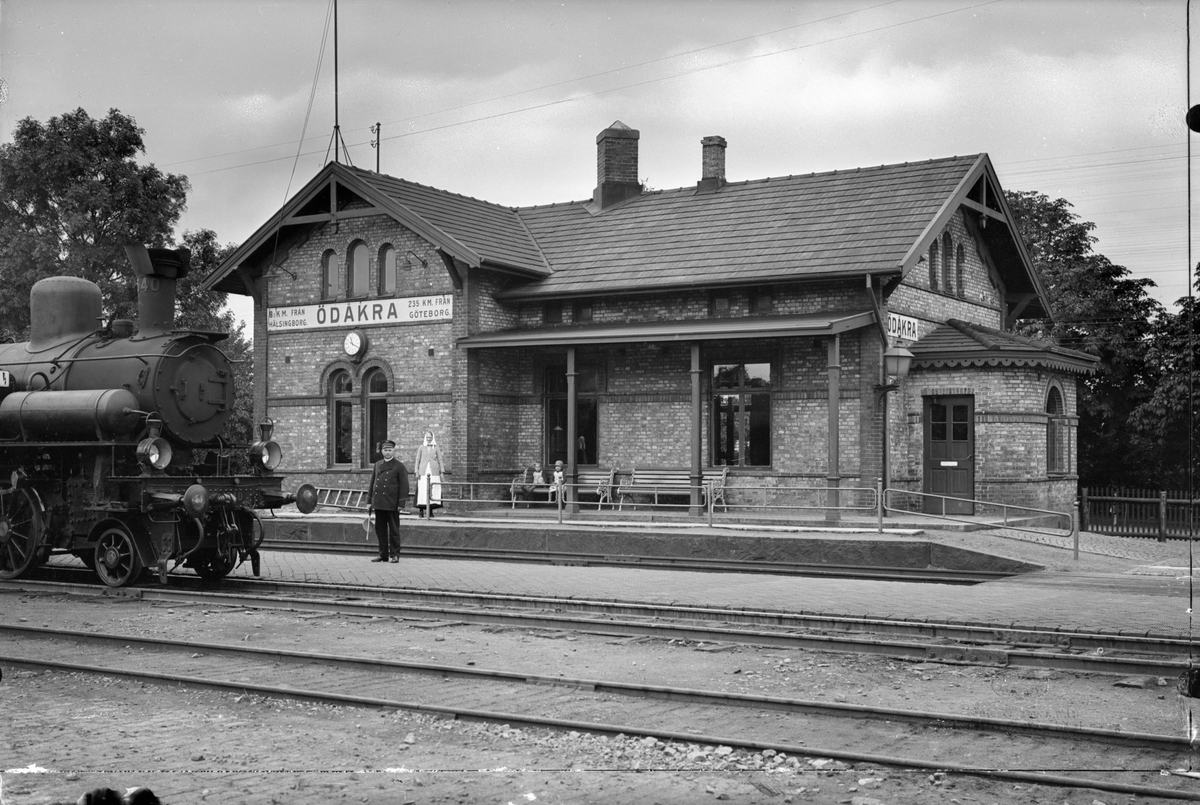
(569, 499)
(1069, 524)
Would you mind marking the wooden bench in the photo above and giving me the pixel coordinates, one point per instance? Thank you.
(658, 481)
(598, 482)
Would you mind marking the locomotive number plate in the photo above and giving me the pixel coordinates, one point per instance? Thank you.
(5, 378)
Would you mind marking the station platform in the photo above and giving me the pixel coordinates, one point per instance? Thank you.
(1116, 585)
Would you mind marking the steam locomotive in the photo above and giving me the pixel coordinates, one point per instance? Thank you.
(110, 438)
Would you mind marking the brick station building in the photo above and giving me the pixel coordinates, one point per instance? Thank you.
(741, 324)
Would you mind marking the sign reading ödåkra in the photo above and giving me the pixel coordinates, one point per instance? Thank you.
(401, 310)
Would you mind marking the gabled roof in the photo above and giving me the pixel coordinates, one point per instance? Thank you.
(839, 224)
(475, 232)
(843, 224)
(874, 221)
(959, 343)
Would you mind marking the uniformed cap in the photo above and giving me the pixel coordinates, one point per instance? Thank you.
(387, 443)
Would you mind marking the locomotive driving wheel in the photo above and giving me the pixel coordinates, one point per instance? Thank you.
(117, 560)
(21, 529)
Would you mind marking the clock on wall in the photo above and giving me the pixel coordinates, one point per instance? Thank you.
(355, 344)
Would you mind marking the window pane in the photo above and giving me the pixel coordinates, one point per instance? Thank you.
(758, 433)
(937, 422)
(585, 431)
(377, 425)
(342, 384)
(387, 275)
(758, 375)
(332, 276)
(359, 270)
(727, 376)
(378, 383)
(587, 381)
(583, 310)
(933, 266)
(960, 423)
(556, 380)
(725, 430)
(556, 431)
(343, 419)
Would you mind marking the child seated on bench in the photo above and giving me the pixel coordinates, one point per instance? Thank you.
(532, 481)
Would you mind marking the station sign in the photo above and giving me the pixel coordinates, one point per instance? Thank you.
(905, 328)
(401, 310)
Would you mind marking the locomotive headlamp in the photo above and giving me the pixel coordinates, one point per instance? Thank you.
(266, 454)
(195, 500)
(155, 453)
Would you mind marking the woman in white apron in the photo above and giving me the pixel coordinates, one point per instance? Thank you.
(428, 470)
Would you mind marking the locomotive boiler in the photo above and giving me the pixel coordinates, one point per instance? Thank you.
(111, 443)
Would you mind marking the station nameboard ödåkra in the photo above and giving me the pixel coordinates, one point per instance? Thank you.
(400, 310)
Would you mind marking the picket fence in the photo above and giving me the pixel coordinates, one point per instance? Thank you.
(1139, 513)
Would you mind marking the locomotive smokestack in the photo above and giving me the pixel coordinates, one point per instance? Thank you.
(156, 271)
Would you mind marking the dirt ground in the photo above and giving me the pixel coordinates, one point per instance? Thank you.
(213, 747)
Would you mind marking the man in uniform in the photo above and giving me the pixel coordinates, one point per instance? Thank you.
(389, 493)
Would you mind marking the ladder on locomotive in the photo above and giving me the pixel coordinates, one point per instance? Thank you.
(342, 498)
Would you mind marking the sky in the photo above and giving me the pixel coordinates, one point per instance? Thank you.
(502, 101)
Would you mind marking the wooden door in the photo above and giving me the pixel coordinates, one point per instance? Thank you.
(950, 454)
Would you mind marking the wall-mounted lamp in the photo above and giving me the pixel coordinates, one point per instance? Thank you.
(896, 361)
(407, 264)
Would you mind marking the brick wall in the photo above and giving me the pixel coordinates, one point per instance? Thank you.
(487, 406)
(979, 301)
(419, 359)
(1010, 431)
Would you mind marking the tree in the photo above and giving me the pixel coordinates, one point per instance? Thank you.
(1169, 419)
(1100, 309)
(71, 196)
(197, 309)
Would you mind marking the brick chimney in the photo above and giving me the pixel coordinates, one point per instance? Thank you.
(712, 168)
(616, 165)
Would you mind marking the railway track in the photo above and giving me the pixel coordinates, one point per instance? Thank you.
(968, 644)
(994, 748)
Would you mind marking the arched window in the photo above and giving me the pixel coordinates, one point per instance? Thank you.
(358, 271)
(947, 250)
(341, 417)
(331, 276)
(1057, 434)
(375, 388)
(387, 270)
(933, 266)
(959, 261)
